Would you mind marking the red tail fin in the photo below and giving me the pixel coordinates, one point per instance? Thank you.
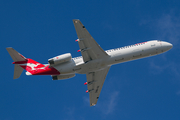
(29, 64)
(32, 67)
(35, 68)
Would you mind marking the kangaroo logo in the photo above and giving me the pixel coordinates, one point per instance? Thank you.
(33, 66)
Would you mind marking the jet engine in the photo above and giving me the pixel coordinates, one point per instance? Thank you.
(60, 59)
(61, 77)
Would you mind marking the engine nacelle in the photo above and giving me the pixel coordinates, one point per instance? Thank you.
(61, 77)
(60, 59)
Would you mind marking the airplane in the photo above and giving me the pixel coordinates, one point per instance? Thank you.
(94, 62)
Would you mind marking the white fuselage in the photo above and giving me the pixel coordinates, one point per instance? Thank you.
(118, 55)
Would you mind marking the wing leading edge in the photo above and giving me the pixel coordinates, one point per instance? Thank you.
(89, 48)
(95, 81)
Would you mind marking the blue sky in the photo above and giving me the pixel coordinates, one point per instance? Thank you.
(144, 89)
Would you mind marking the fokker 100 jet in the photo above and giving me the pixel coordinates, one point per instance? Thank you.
(94, 62)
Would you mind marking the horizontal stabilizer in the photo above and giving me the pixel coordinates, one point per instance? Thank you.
(15, 55)
(17, 71)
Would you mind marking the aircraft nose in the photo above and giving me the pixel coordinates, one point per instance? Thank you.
(167, 45)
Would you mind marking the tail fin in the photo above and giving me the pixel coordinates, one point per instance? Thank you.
(32, 67)
(22, 63)
(16, 57)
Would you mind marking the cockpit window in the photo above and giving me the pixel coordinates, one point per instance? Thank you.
(159, 41)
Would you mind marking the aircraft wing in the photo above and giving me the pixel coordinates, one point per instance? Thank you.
(95, 81)
(88, 46)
